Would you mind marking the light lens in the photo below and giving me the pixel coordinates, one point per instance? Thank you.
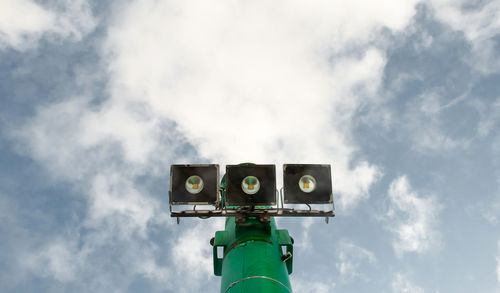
(250, 185)
(194, 184)
(307, 183)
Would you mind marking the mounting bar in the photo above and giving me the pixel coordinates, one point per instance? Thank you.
(253, 213)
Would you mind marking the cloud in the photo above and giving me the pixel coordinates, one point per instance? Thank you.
(263, 83)
(411, 218)
(401, 284)
(24, 22)
(351, 258)
(251, 81)
(73, 140)
(15, 30)
(59, 260)
(191, 252)
(85, 147)
(304, 242)
(480, 25)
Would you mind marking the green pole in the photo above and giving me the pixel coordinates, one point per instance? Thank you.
(252, 255)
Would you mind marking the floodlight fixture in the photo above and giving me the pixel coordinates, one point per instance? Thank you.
(250, 185)
(307, 184)
(249, 191)
(195, 184)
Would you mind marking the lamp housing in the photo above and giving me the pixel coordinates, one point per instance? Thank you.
(242, 188)
(307, 184)
(194, 184)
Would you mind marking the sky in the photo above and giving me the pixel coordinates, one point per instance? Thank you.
(99, 98)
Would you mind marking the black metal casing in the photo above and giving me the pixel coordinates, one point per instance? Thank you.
(267, 177)
(209, 173)
(323, 191)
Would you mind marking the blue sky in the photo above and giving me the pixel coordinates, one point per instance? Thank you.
(402, 98)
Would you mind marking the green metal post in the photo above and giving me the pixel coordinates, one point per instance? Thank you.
(253, 256)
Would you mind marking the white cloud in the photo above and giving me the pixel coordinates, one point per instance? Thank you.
(269, 82)
(115, 199)
(88, 148)
(480, 25)
(351, 258)
(24, 22)
(90, 262)
(263, 83)
(60, 259)
(401, 284)
(412, 218)
(212, 78)
(192, 253)
(304, 241)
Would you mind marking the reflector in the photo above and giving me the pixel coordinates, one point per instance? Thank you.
(194, 184)
(307, 183)
(249, 185)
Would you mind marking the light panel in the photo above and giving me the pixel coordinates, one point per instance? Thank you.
(250, 185)
(307, 183)
(194, 184)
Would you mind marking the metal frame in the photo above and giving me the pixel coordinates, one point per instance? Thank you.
(243, 212)
(253, 213)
